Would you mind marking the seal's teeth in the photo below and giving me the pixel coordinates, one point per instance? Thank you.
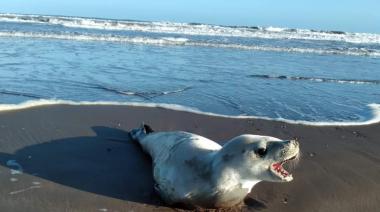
(280, 172)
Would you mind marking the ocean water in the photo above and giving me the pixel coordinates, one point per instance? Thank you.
(279, 73)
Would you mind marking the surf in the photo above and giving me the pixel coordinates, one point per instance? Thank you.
(195, 29)
(181, 41)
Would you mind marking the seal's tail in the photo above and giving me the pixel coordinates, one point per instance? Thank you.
(138, 133)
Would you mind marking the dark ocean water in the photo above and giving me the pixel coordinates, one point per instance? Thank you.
(295, 74)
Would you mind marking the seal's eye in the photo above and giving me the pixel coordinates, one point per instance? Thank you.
(261, 152)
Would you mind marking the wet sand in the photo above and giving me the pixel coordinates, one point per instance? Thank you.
(78, 158)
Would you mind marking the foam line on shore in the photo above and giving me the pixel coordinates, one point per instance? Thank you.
(375, 108)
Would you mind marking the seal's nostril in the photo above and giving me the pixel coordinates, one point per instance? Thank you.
(261, 152)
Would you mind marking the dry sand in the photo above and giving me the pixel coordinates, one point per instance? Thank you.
(77, 158)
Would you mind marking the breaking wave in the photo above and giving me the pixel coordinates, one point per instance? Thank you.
(375, 108)
(89, 37)
(317, 79)
(179, 41)
(195, 28)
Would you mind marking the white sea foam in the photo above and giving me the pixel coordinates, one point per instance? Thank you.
(375, 108)
(274, 29)
(351, 51)
(88, 37)
(17, 168)
(195, 29)
(186, 42)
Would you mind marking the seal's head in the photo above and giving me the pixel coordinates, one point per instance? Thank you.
(260, 158)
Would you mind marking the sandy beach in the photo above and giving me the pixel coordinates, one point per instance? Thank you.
(78, 158)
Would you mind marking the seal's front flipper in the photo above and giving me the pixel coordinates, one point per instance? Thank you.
(147, 129)
(138, 133)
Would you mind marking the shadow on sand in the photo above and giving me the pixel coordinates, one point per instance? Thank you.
(108, 164)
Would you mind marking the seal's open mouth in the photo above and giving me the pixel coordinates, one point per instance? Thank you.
(280, 172)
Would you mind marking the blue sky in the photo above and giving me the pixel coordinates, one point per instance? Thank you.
(344, 15)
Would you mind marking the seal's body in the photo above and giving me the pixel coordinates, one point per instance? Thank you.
(196, 171)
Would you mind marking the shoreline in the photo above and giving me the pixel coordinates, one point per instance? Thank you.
(374, 107)
(77, 158)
